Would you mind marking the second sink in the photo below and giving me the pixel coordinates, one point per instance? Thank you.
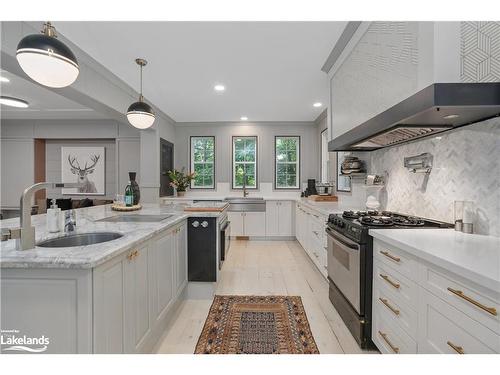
(82, 239)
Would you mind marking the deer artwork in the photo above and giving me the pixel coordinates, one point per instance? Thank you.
(82, 173)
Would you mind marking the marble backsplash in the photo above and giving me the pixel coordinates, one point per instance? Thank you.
(466, 167)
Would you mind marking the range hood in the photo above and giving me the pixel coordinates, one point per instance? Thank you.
(437, 108)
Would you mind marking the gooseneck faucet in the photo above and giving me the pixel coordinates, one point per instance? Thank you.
(245, 192)
(27, 231)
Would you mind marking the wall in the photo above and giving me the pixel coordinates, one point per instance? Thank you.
(466, 167)
(265, 131)
(18, 150)
(53, 164)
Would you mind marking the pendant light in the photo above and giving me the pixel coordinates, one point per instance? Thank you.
(46, 59)
(140, 114)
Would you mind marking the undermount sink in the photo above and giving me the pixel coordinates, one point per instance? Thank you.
(82, 239)
(135, 218)
(244, 199)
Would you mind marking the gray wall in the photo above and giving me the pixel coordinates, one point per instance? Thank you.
(265, 131)
(122, 154)
(53, 164)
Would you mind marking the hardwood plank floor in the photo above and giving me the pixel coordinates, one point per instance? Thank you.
(265, 268)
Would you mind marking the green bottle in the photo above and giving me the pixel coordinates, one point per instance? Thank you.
(129, 195)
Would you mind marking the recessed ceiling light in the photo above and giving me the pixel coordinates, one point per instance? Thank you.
(438, 138)
(219, 88)
(243, 118)
(449, 117)
(4, 79)
(317, 104)
(13, 102)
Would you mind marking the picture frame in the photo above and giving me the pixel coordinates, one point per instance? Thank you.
(86, 165)
(343, 182)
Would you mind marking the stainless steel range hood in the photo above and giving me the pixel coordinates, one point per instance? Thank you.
(437, 108)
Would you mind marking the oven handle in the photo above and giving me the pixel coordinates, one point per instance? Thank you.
(345, 242)
(226, 224)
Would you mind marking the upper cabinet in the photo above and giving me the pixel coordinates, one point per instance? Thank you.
(386, 62)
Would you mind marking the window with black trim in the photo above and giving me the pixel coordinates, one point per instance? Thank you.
(244, 171)
(287, 162)
(202, 160)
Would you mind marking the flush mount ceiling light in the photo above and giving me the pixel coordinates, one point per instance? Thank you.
(219, 88)
(46, 59)
(4, 79)
(13, 102)
(140, 114)
(317, 104)
(243, 118)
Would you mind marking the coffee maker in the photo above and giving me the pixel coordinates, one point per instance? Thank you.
(311, 188)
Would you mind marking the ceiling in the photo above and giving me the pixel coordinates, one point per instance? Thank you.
(271, 70)
(43, 103)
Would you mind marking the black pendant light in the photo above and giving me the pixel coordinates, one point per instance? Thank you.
(46, 59)
(140, 114)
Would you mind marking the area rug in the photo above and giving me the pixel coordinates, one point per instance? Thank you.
(256, 325)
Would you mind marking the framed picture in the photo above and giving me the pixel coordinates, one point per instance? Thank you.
(85, 165)
(343, 182)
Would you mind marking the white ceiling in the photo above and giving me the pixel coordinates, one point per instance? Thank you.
(271, 70)
(43, 103)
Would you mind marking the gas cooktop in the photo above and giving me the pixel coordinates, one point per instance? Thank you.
(356, 224)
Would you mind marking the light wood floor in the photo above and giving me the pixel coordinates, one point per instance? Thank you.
(265, 268)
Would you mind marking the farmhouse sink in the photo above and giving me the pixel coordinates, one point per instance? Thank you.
(82, 239)
(246, 204)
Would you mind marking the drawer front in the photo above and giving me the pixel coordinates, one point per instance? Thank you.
(393, 309)
(464, 297)
(404, 290)
(395, 258)
(389, 338)
(444, 329)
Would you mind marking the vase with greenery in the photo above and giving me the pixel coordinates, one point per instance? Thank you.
(180, 181)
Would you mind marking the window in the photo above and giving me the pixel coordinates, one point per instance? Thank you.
(325, 158)
(287, 162)
(203, 162)
(244, 162)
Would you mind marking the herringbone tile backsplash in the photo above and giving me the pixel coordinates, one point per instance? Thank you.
(466, 167)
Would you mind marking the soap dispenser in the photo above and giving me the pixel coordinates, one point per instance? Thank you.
(53, 214)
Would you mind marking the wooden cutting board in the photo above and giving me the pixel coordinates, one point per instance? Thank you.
(323, 198)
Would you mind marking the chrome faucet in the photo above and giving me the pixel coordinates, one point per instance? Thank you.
(27, 231)
(245, 192)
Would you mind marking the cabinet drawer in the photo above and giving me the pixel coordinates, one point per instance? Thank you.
(444, 329)
(463, 296)
(391, 339)
(394, 310)
(403, 289)
(395, 258)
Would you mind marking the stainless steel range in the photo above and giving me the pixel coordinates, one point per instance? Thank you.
(350, 263)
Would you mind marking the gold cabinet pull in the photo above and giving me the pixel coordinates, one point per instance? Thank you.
(133, 254)
(456, 348)
(386, 278)
(395, 349)
(388, 305)
(390, 256)
(461, 294)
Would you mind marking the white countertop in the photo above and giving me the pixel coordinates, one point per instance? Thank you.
(472, 256)
(92, 255)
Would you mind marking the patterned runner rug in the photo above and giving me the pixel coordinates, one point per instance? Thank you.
(256, 325)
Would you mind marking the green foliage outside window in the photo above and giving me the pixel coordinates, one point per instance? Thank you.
(203, 162)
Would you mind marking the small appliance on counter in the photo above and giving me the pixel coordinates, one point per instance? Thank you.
(325, 188)
(311, 188)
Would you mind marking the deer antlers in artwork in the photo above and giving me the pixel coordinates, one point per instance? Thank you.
(72, 161)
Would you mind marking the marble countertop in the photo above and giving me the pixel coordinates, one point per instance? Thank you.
(91, 256)
(472, 256)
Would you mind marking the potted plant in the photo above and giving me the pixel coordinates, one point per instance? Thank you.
(180, 181)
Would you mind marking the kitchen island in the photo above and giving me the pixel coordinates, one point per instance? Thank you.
(112, 297)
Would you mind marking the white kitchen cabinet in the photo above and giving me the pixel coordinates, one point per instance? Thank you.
(279, 218)
(422, 308)
(180, 258)
(137, 301)
(163, 274)
(237, 227)
(255, 224)
(251, 224)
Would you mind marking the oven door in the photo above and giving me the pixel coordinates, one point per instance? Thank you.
(344, 266)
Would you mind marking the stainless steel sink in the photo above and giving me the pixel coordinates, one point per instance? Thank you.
(246, 204)
(135, 218)
(82, 239)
